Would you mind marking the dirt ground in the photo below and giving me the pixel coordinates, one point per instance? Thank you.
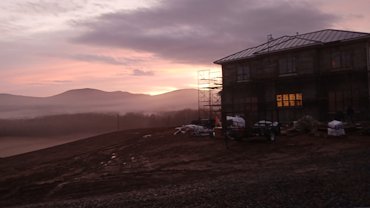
(154, 168)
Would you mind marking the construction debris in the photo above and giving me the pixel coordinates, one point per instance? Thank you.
(194, 130)
(307, 124)
(264, 123)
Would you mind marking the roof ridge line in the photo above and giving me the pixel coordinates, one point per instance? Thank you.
(314, 32)
(330, 29)
(293, 37)
(339, 30)
(308, 39)
(289, 38)
(250, 48)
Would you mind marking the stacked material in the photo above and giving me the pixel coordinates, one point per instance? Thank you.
(236, 122)
(335, 128)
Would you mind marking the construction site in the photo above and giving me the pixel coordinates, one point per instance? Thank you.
(316, 122)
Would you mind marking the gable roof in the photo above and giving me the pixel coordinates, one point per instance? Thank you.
(297, 41)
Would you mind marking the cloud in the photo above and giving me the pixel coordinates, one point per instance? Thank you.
(44, 7)
(61, 81)
(49, 82)
(201, 31)
(132, 61)
(98, 58)
(138, 72)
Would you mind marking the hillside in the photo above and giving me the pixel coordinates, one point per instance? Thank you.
(153, 168)
(96, 101)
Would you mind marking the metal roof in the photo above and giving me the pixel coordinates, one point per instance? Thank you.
(297, 41)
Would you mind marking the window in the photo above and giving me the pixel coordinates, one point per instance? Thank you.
(242, 72)
(289, 100)
(287, 64)
(341, 59)
(335, 59)
(347, 59)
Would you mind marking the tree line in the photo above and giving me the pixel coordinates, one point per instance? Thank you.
(55, 125)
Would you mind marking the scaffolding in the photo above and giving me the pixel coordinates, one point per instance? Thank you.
(209, 93)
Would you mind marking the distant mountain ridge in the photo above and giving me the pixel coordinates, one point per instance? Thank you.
(91, 91)
(89, 100)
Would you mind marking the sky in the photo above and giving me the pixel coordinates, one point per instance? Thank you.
(146, 46)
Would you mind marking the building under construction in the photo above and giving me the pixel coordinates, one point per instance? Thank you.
(323, 74)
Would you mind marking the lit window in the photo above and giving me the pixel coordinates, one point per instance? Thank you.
(279, 100)
(292, 100)
(289, 100)
(286, 100)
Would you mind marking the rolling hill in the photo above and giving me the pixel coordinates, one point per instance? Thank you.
(92, 100)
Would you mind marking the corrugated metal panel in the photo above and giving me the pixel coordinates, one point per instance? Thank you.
(297, 41)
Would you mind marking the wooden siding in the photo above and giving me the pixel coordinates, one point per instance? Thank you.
(314, 76)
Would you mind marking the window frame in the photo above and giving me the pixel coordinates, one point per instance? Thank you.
(341, 59)
(288, 64)
(243, 72)
(289, 100)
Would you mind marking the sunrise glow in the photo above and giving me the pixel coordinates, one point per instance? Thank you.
(147, 47)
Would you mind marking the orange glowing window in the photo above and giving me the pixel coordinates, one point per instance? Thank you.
(289, 100)
(279, 100)
(286, 97)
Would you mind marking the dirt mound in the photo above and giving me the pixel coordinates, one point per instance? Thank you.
(151, 167)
